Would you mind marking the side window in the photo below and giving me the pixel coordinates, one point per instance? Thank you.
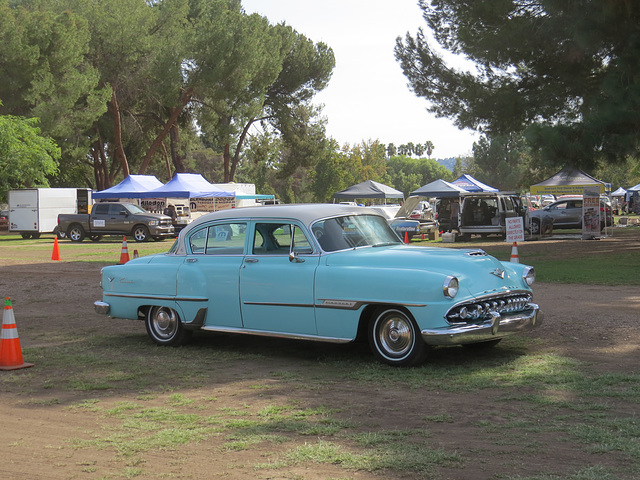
(198, 240)
(115, 209)
(101, 209)
(508, 205)
(226, 239)
(275, 239)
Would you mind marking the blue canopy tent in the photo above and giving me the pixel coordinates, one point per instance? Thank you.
(131, 187)
(439, 189)
(187, 185)
(470, 184)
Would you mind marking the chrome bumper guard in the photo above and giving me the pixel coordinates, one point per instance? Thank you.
(101, 307)
(497, 327)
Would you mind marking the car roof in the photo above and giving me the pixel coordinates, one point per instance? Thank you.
(305, 212)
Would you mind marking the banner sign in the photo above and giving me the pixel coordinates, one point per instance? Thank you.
(591, 213)
(211, 204)
(515, 229)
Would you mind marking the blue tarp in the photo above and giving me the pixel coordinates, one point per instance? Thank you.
(470, 184)
(131, 187)
(187, 185)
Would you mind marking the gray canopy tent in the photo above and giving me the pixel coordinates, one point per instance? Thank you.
(439, 189)
(369, 189)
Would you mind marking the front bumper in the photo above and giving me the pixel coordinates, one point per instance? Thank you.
(101, 307)
(497, 327)
(162, 231)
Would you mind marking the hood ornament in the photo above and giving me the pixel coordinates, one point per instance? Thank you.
(498, 273)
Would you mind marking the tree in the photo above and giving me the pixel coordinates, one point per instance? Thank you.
(502, 161)
(564, 71)
(26, 157)
(45, 74)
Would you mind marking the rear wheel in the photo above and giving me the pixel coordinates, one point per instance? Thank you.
(395, 339)
(76, 233)
(165, 328)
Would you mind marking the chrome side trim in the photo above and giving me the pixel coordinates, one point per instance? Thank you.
(496, 327)
(157, 297)
(266, 333)
(277, 304)
(356, 304)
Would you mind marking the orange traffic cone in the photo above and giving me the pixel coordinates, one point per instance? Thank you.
(514, 253)
(135, 254)
(124, 253)
(10, 351)
(56, 250)
(406, 237)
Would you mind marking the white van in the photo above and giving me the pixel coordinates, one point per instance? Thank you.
(484, 213)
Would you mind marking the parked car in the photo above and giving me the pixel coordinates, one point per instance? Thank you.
(414, 217)
(485, 213)
(320, 272)
(566, 213)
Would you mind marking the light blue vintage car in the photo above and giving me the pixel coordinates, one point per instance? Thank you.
(324, 272)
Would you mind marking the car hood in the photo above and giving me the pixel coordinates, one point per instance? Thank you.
(476, 271)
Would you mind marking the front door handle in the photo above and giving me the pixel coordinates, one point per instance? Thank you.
(251, 260)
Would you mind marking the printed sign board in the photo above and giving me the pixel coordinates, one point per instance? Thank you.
(590, 213)
(515, 229)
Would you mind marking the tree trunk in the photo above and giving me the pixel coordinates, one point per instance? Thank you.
(178, 162)
(166, 160)
(185, 98)
(236, 155)
(117, 125)
(226, 159)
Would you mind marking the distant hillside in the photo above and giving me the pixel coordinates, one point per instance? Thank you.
(447, 162)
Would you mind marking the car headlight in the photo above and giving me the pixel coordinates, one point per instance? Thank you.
(153, 222)
(529, 276)
(450, 286)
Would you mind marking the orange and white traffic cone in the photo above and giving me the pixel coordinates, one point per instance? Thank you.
(135, 254)
(10, 351)
(124, 253)
(55, 255)
(514, 253)
(406, 237)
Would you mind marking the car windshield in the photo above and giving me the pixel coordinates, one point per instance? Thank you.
(341, 233)
(135, 208)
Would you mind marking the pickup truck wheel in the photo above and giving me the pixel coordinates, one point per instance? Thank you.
(140, 233)
(165, 328)
(395, 339)
(60, 234)
(76, 233)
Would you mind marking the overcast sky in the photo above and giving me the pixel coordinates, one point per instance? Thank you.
(367, 97)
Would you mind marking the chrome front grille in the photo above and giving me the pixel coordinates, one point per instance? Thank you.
(480, 310)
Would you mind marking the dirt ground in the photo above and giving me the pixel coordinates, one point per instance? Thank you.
(597, 325)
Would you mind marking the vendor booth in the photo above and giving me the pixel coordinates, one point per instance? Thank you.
(131, 187)
(470, 184)
(369, 190)
(568, 181)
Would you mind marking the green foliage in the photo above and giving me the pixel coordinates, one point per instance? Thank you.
(408, 174)
(26, 157)
(566, 71)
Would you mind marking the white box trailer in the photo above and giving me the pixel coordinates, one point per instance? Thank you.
(33, 211)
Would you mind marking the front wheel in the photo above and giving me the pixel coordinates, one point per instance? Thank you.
(140, 233)
(164, 327)
(395, 339)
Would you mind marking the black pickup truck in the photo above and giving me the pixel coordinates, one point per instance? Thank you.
(116, 219)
